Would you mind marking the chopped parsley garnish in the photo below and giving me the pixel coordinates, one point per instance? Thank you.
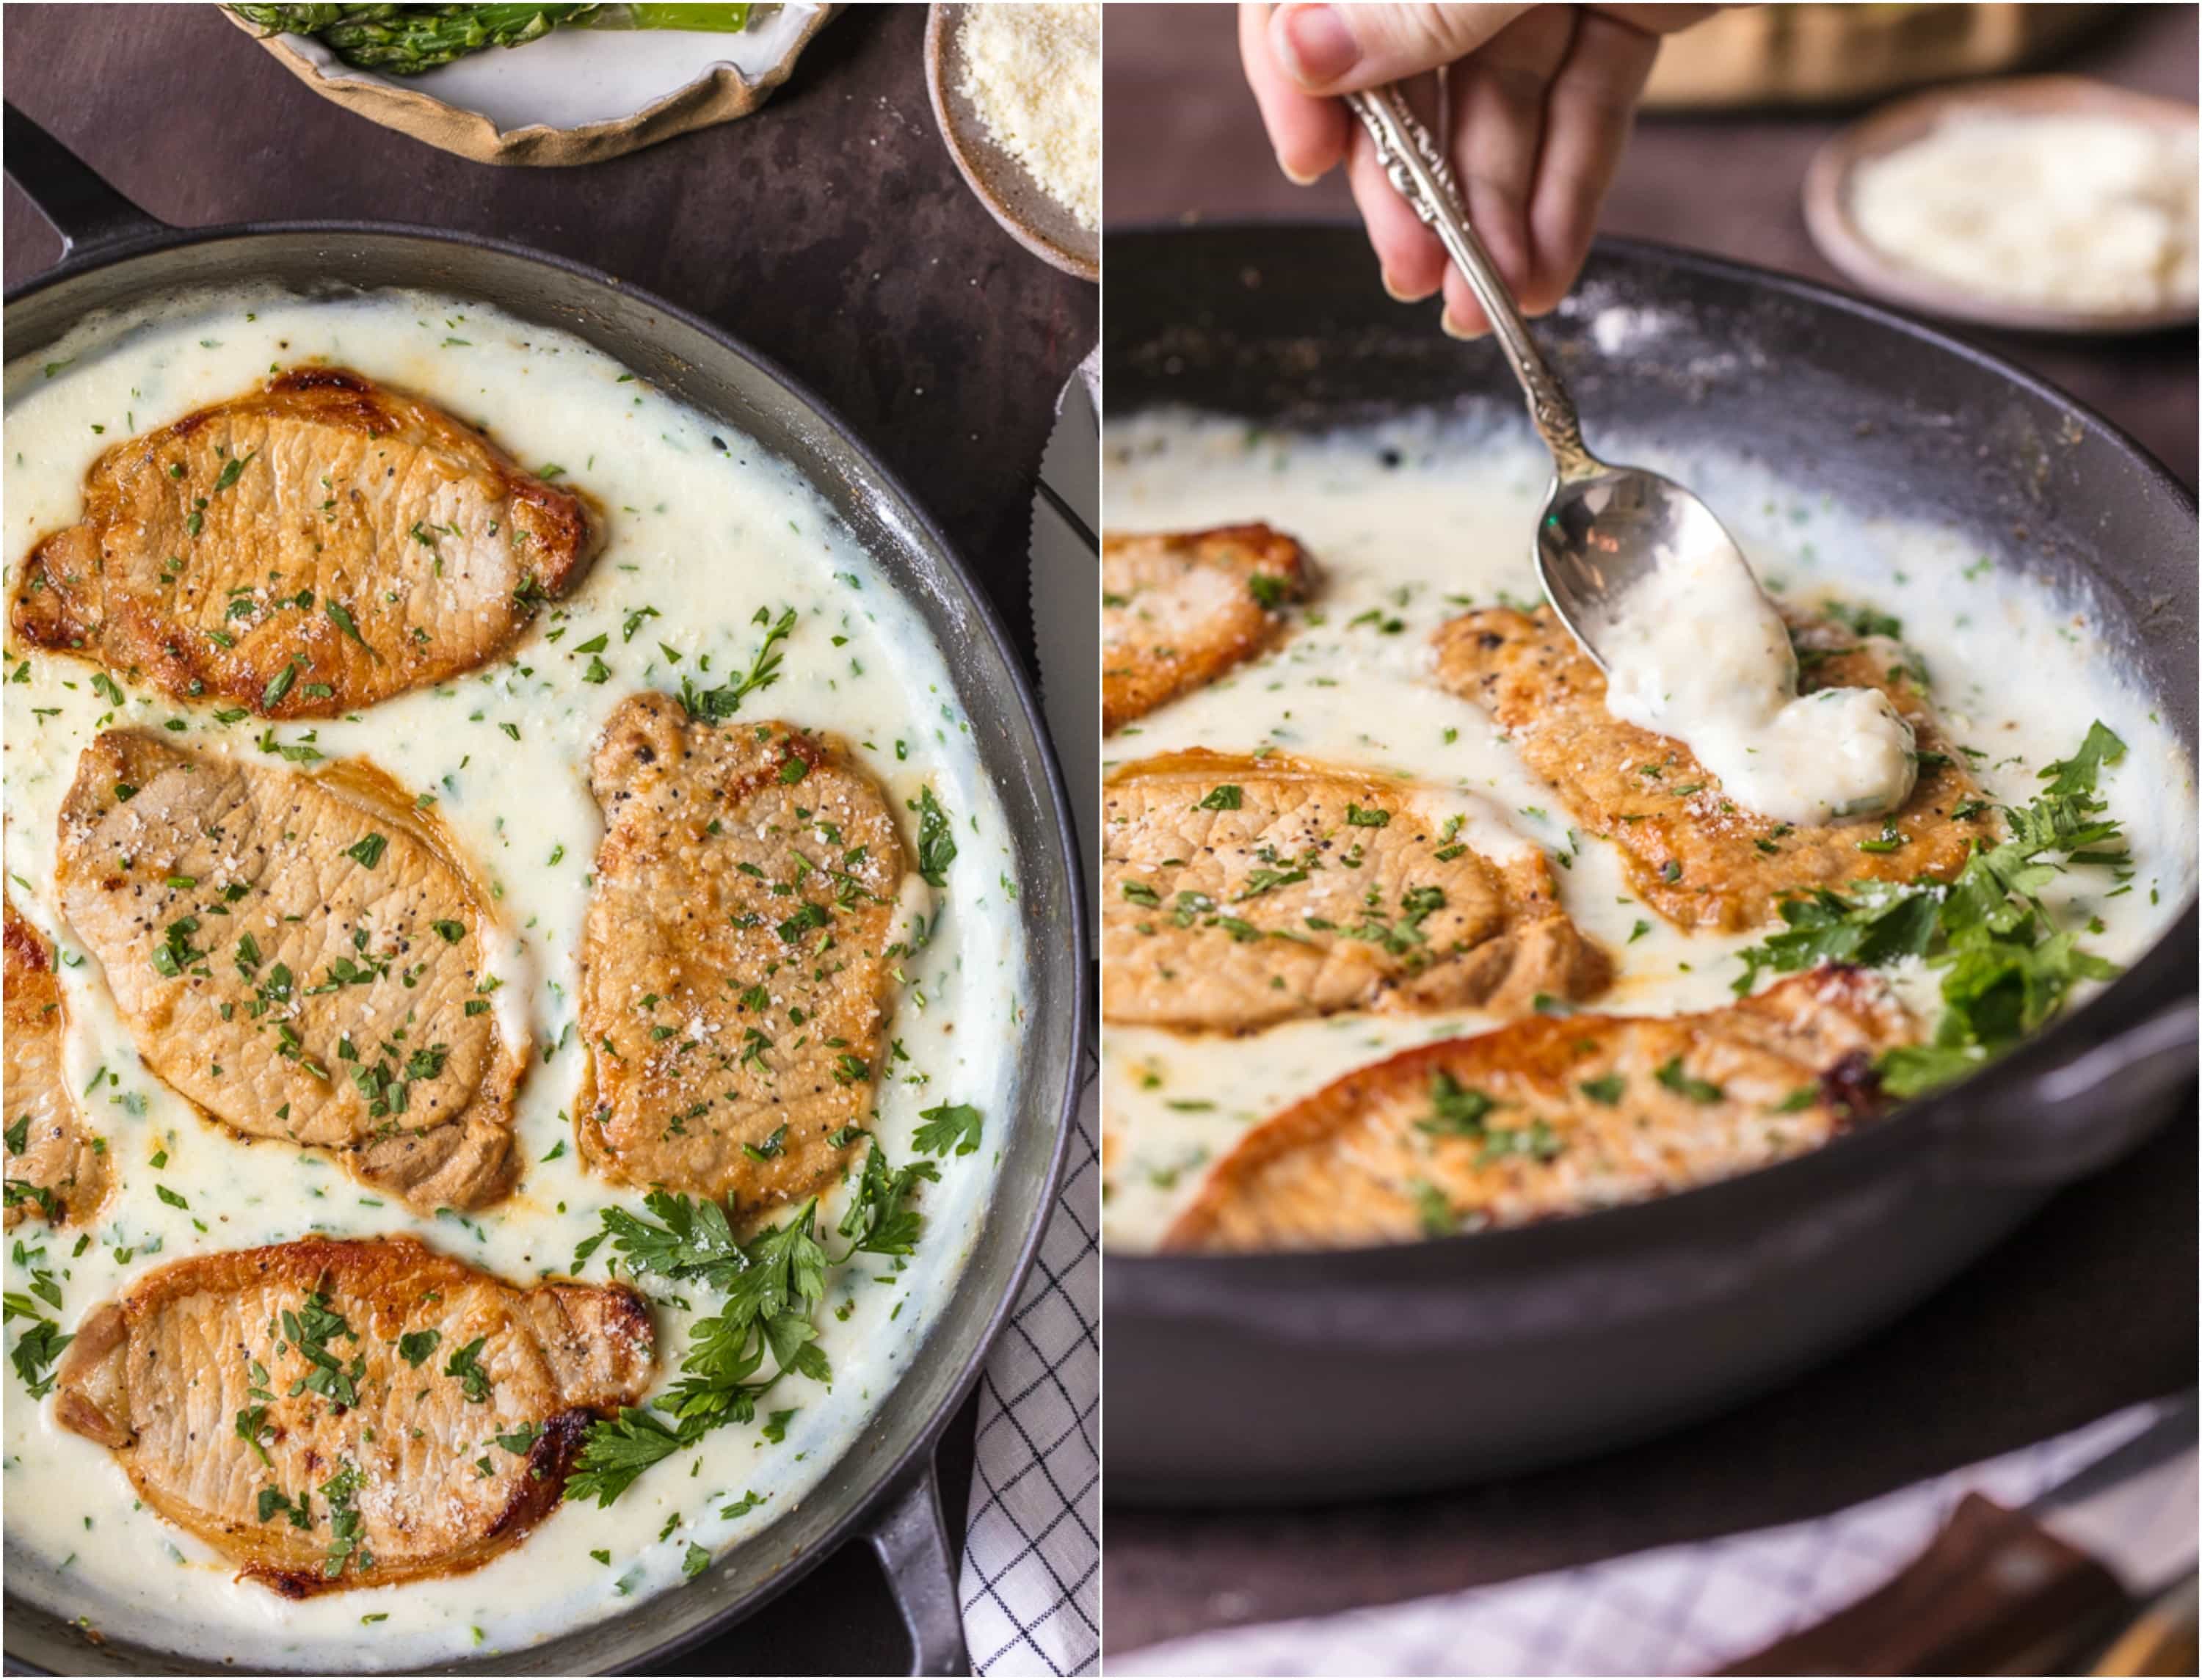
(950, 1125)
(1456, 1110)
(936, 839)
(341, 616)
(1671, 1075)
(716, 705)
(473, 1379)
(232, 471)
(309, 1330)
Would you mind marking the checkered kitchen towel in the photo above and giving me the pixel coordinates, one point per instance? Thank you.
(1680, 1610)
(1032, 1558)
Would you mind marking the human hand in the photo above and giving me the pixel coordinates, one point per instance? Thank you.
(1538, 98)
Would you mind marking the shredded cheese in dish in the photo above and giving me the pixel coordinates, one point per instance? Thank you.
(2060, 211)
(1034, 75)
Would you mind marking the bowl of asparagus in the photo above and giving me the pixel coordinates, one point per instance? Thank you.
(543, 85)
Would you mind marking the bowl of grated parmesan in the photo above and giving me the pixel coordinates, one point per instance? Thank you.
(2048, 203)
(1017, 89)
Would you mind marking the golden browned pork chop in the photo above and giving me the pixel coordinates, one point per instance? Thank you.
(333, 1414)
(1239, 892)
(1179, 610)
(1695, 857)
(302, 956)
(1547, 1116)
(733, 966)
(308, 549)
(57, 1168)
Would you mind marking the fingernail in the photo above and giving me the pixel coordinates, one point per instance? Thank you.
(1319, 45)
(1393, 292)
(1294, 176)
(1453, 329)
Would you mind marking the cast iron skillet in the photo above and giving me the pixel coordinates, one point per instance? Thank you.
(883, 1490)
(1273, 1377)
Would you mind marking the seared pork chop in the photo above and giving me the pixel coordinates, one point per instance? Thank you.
(1694, 855)
(1239, 892)
(302, 956)
(332, 1414)
(1179, 610)
(733, 966)
(1546, 1116)
(57, 1168)
(308, 549)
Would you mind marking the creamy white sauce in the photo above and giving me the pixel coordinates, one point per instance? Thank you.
(705, 529)
(1413, 523)
(1695, 651)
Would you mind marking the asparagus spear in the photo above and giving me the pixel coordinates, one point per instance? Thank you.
(408, 40)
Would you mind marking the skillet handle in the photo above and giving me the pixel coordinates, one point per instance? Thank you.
(2071, 1120)
(911, 1539)
(91, 216)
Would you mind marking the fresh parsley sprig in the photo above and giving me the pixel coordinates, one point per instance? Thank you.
(716, 704)
(773, 1284)
(2007, 967)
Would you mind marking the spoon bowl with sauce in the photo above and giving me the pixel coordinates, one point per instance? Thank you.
(1650, 582)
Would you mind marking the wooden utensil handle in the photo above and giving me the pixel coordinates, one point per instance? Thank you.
(1993, 1588)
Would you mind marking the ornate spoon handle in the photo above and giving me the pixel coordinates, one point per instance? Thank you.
(1418, 169)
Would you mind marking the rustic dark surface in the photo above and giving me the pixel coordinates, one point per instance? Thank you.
(829, 231)
(2091, 1306)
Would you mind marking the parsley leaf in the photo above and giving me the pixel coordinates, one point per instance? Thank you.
(950, 1125)
(468, 1369)
(715, 704)
(936, 839)
(1456, 1110)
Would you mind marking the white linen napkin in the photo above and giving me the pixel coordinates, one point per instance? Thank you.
(1032, 1553)
(1687, 1609)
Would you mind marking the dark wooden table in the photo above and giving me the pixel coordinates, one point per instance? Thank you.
(829, 231)
(2091, 1306)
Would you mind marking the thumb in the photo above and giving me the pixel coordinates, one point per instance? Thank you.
(1329, 49)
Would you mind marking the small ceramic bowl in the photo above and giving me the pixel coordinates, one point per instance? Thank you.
(1828, 212)
(1003, 185)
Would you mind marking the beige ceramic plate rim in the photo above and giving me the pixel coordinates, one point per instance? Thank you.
(979, 160)
(716, 95)
(1826, 197)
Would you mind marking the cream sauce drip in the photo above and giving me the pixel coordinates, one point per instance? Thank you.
(1416, 521)
(704, 530)
(1694, 651)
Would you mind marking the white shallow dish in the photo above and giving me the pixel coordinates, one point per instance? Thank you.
(575, 96)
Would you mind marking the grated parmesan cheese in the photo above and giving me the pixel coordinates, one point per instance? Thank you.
(1032, 73)
(2059, 211)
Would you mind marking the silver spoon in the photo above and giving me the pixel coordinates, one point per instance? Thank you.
(1604, 528)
